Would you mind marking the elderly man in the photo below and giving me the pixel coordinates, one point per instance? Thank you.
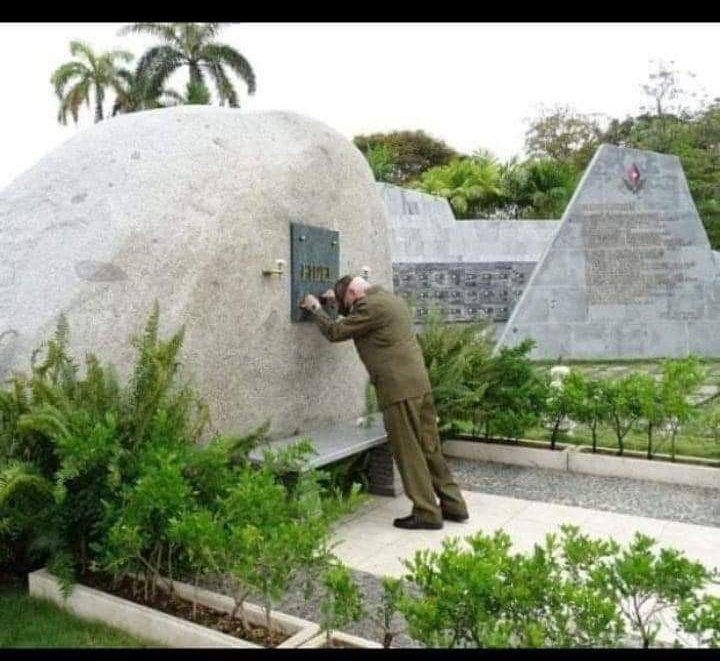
(380, 325)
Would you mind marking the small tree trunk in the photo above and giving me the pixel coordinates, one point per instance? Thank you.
(83, 553)
(194, 610)
(593, 428)
(170, 571)
(672, 445)
(620, 436)
(268, 619)
(649, 434)
(556, 427)
(98, 105)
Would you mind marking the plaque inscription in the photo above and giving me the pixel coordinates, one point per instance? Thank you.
(314, 264)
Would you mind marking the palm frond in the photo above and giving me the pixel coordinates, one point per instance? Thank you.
(81, 48)
(155, 67)
(124, 55)
(225, 89)
(73, 100)
(165, 31)
(228, 55)
(210, 30)
(64, 73)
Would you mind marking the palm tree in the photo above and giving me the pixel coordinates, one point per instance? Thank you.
(132, 95)
(191, 45)
(472, 185)
(90, 72)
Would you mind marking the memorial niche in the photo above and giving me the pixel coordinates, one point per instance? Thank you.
(315, 264)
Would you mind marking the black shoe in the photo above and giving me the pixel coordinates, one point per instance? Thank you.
(458, 518)
(413, 523)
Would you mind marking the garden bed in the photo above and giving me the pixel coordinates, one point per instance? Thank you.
(690, 471)
(167, 619)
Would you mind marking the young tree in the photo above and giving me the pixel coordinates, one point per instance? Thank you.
(651, 406)
(563, 400)
(679, 379)
(622, 399)
(342, 604)
(646, 584)
(591, 406)
(393, 591)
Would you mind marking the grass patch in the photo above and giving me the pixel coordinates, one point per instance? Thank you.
(29, 622)
(696, 439)
(685, 444)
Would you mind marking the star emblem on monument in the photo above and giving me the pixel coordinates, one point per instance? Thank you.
(633, 180)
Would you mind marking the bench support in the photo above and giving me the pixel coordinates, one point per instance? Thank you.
(383, 473)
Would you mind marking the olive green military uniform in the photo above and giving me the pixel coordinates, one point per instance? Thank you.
(381, 327)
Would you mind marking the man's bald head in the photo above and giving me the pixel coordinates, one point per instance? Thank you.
(349, 289)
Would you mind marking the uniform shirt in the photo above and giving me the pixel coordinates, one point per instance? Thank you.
(380, 325)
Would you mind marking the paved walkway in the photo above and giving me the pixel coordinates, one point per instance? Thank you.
(368, 541)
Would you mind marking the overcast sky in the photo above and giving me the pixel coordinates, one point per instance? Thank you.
(472, 85)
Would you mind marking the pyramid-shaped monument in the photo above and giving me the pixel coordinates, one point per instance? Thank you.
(629, 273)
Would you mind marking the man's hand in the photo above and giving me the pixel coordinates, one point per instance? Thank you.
(310, 303)
(328, 297)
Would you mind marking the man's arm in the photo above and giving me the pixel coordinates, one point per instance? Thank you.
(357, 323)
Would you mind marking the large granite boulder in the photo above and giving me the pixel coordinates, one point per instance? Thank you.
(188, 205)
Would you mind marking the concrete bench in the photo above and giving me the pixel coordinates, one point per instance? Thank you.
(345, 440)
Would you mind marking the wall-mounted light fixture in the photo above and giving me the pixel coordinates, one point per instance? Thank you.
(279, 270)
(365, 272)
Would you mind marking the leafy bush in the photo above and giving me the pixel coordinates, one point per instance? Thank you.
(486, 596)
(568, 592)
(515, 395)
(104, 449)
(457, 357)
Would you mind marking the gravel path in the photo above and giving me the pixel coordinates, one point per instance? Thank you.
(295, 603)
(697, 505)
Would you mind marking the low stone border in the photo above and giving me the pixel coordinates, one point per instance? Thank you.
(507, 454)
(156, 626)
(347, 640)
(299, 630)
(581, 459)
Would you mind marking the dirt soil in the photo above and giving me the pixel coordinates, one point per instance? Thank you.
(173, 605)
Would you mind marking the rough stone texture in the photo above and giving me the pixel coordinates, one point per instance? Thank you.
(629, 274)
(188, 205)
(469, 268)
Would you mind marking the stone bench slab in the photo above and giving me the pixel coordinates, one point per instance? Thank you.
(331, 444)
(344, 440)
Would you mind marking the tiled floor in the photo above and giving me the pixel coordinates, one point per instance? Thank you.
(368, 542)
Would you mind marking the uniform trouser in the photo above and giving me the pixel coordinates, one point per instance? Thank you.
(415, 442)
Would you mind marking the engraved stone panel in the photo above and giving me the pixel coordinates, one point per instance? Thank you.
(631, 257)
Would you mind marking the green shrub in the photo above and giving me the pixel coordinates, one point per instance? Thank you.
(342, 604)
(568, 592)
(457, 357)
